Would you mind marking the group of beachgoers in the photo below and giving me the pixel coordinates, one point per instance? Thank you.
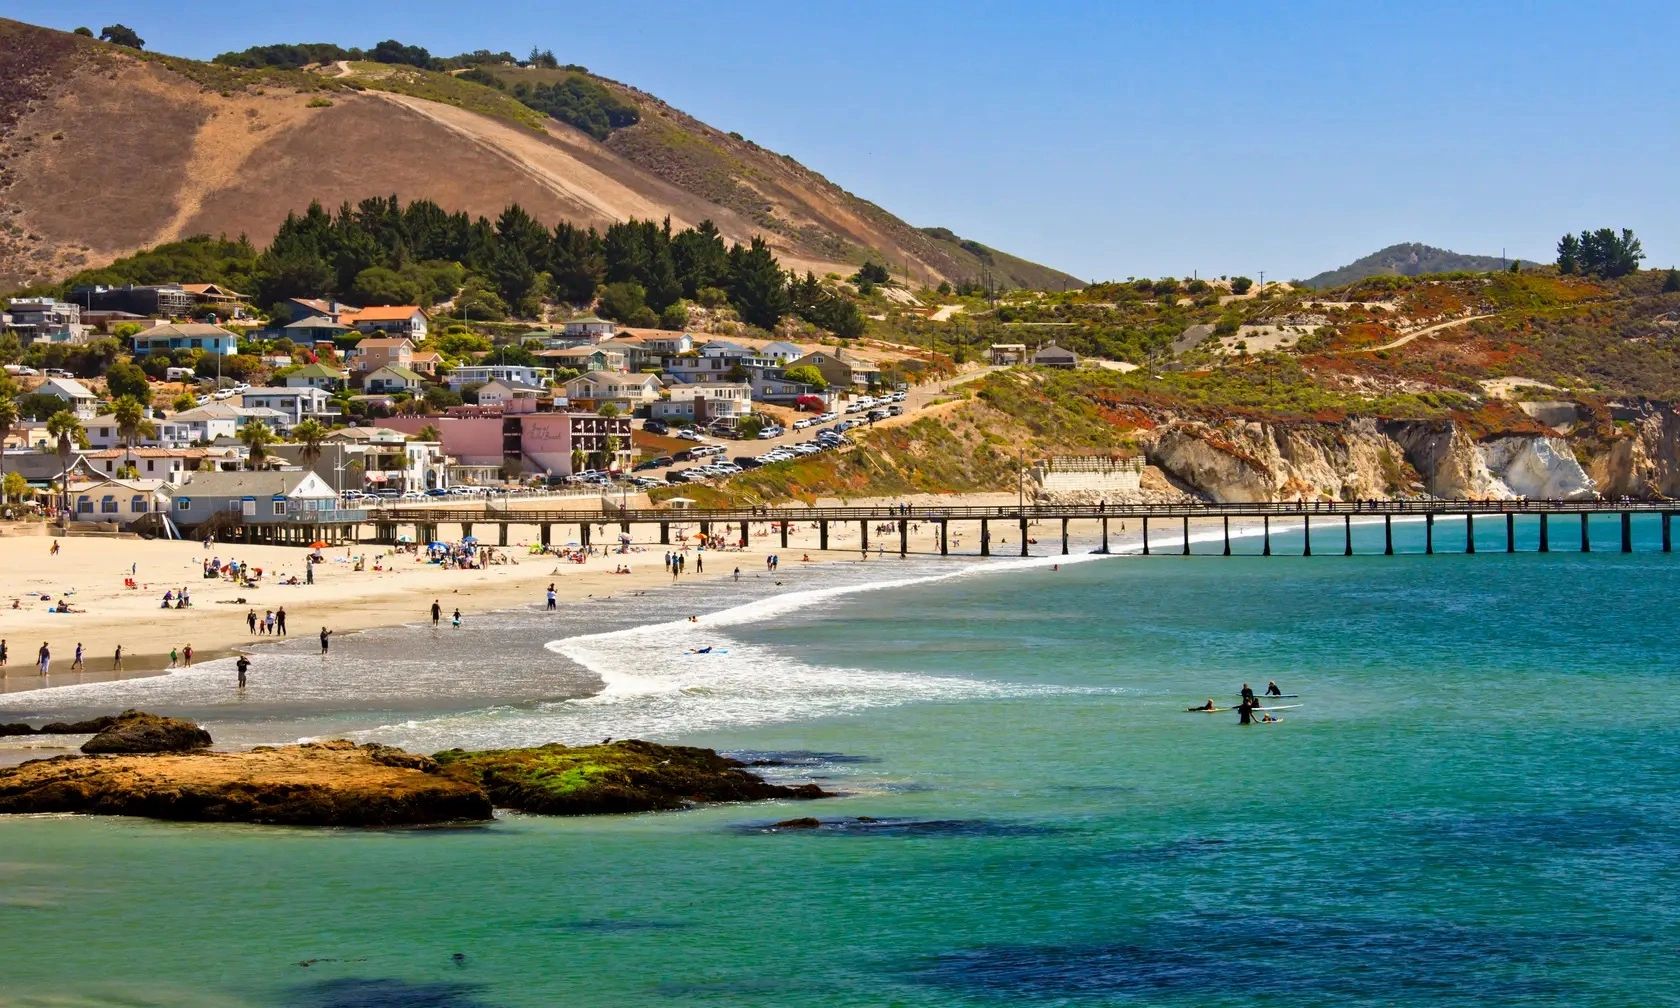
(1247, 706)
(43, 658)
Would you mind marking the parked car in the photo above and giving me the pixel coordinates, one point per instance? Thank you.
(770, 432)
(656, 427)
(653, 463)
(748, 462)
(895, 410)
(690, 434)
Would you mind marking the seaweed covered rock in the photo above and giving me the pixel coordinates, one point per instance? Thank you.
(316, 784)
(135, 731)
(88, 727)
(627, 776)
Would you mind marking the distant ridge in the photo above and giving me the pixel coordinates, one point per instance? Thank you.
(1409, 259)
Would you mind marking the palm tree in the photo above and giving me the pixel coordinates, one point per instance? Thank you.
(64, 426)
(428, 433)
(132, 424)
(257, 436)
(309, 434)
(8, 419)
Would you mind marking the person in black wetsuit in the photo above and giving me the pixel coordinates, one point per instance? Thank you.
(1272, 689)
(1245, 710)
(1248, 695)
(1204, 707)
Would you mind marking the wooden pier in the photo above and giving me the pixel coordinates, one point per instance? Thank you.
(891, 524)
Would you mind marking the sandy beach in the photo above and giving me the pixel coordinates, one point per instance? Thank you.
(89, 573)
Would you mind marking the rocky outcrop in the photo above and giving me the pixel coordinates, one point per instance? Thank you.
(1642, 461)
(1362, 459)
(135, 731)
(316, 784)
(91, 726)
(627, 776)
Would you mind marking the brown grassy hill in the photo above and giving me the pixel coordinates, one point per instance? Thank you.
(104, 151)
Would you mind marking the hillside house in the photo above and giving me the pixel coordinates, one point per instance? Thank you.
(529, 443)
(214, 299)
(75, 395)
(392, 320)
(841, 369)
(316, 376)
(650, 348)
(168, 464)
(426, 362)
(706, 403)
(1052, 356)
(591, 329)
(375, 352)
(307, 330)
(394, 378)
(47, 320)
(296, 403)
(162, 300)
(186, 336)
(1007, 354)
(782, 351)
(388, 458)
(480, 374)
(587, 358)
(121, 501)
(511, 397)
(627, 392)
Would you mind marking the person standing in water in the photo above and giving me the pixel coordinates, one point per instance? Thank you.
(325, 633)
(77, 665)
(456, 621)
(243, 665)
(1245, 711)
(553, 599)
(1247, 695)
(437, 612)
(43, 658)
(116, 661)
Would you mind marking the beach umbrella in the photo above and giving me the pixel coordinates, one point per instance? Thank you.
(469, 539)
(624, 537)
(318, 544)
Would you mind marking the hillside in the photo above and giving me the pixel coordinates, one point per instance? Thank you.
(1407, 259)
(104, 151)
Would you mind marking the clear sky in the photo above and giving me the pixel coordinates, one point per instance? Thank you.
(1116, 139)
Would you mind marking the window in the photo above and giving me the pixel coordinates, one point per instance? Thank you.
(183, 503)
(279, 505)
(84, 504)
(139, 504)
(150, 465)
(108, 504)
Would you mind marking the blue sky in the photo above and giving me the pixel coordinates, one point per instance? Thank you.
(1118, 139)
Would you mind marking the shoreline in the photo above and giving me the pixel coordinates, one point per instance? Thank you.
(402, 593)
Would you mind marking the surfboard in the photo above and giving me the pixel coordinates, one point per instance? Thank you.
(1284, 707)
(1204, 710)
(1278, 696)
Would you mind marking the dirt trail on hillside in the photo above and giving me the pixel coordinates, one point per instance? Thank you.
(1402, 341)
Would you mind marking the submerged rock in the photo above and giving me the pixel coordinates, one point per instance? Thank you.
(317, 784)
(135, 731)
(88, 727)
(627, 776)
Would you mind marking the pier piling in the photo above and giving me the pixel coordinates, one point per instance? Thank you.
(1586, 540)
(1510, 533)
(1064, 537)
(1429, 534)
(1227, 521)
(985, 538)
(1145, 535)
(903, 537)
(1266, 536)
(1545, 534)
(1347, 535)
(1187, 536)
(1667, 539)
(1469, 533)
(1627, 532)
(944, 538)
(1306, 535)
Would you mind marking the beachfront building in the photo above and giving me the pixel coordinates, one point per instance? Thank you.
(706, 403)
(1052, 356)
(375, 352)
(393, 320)
(389, 459)
(719, 361)
(168, 464)
(118, 501)
(536, 443)
(626, 392)
(483, 374)
(841, 369)
(510, 397)
(185, 336)
(297, 404)
(76, 396)
(317, 376)
(264, 497)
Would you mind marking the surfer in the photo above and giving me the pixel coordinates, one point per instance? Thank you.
(1248, 695)
(1209, 707)
(703, 650)
(1245, 710)
(1268, 719)
(1272, 688)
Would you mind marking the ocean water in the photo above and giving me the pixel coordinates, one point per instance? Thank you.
(1476, 801)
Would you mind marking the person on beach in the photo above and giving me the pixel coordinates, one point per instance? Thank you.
(266, 625)
(43, 659)
(1272, 688)
(76, 664)
(174, 657)
(243, 665)
(309, 572)
(437, 612)
(280, 621)
(3, 654)
(186, 656)
(54, 550)
(456, 621)
(737, 573)
(116, 660)
(700, 563)
(553, 599)
(251, 621)
(325, 633)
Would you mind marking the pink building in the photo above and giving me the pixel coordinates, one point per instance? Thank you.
(526, 442)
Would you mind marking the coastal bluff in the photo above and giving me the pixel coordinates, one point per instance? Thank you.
(341, 783)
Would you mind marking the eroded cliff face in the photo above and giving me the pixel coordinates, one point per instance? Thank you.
(1362, 459)
(1642, 461)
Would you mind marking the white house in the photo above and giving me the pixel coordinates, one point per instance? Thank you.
(594, 389)
(591, 328)
(505, 394)
(295, 403)
(481, 374)
(74, 393)
(706, 403)
(116, 500)
(783, 351)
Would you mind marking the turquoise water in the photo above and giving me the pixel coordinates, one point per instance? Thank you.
(1475, 803)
